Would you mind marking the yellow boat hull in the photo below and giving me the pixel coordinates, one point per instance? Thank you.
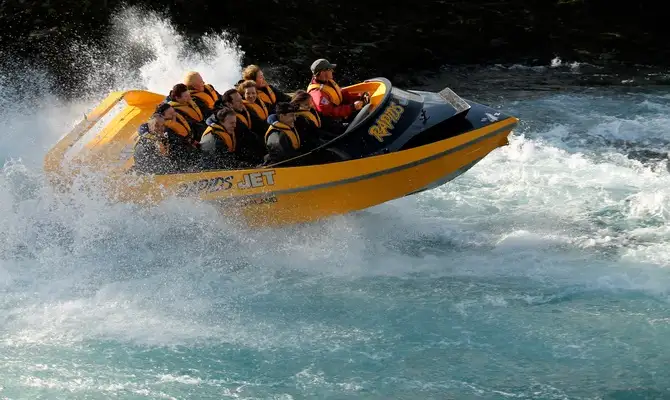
(265, 196)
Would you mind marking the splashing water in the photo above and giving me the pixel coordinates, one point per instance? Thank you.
(29, 106)
(538, 274)
(170, 55)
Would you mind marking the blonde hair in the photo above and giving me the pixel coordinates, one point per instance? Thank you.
(250, 72)
(190, 77)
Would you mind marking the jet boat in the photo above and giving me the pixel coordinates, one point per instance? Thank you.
(401, 143)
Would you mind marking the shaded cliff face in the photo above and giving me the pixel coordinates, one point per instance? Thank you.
(367, 38)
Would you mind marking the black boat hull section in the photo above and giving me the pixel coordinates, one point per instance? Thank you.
(402, 120)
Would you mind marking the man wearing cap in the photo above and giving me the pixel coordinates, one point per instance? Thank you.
(327, 95)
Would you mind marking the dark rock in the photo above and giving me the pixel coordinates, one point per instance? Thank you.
(367, 38)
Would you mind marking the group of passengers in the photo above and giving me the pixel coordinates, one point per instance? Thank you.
(252, 124)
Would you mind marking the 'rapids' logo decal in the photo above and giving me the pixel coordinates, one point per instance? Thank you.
(386, 121)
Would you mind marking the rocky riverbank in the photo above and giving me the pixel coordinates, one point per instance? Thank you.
(375, 37)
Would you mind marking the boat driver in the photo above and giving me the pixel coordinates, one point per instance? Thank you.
(334, 106)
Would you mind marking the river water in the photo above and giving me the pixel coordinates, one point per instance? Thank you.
(539, 274)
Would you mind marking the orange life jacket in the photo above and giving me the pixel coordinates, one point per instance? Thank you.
(266, 95)
(330, 88)
(259, 109)
(291, 133)
(207, 96)
(179, 125)
(244, 117)
(229, 139)
(190, 110)
(312, 115)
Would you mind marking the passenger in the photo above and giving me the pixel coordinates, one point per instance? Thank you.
(254, 104)
(251, 146)
(232, 99)
(180, 137)
(152, 151)
(176, 124)
(268, 94)
(204, 95)
(282, 139)
(180, 99)
(333, 105)
(308, 120)
(219, 142)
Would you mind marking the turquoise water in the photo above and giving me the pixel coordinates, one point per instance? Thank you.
(539, 274)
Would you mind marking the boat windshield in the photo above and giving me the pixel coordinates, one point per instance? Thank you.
(404, 94)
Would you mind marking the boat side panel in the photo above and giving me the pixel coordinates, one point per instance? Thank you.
(53, 161)
(113, 146)
(386, 124)
(276, 208)
(413, 118)
(450, 176)
(296, 177)
(447, 125)
(110, 131)
(338, 184)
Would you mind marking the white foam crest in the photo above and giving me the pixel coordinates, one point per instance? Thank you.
(161, 310)
(655, 105)
(554, 63)
(641, 131)
(557, 62)
(619, 123)
(219, 64)
(32, 122)
(550, 197)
